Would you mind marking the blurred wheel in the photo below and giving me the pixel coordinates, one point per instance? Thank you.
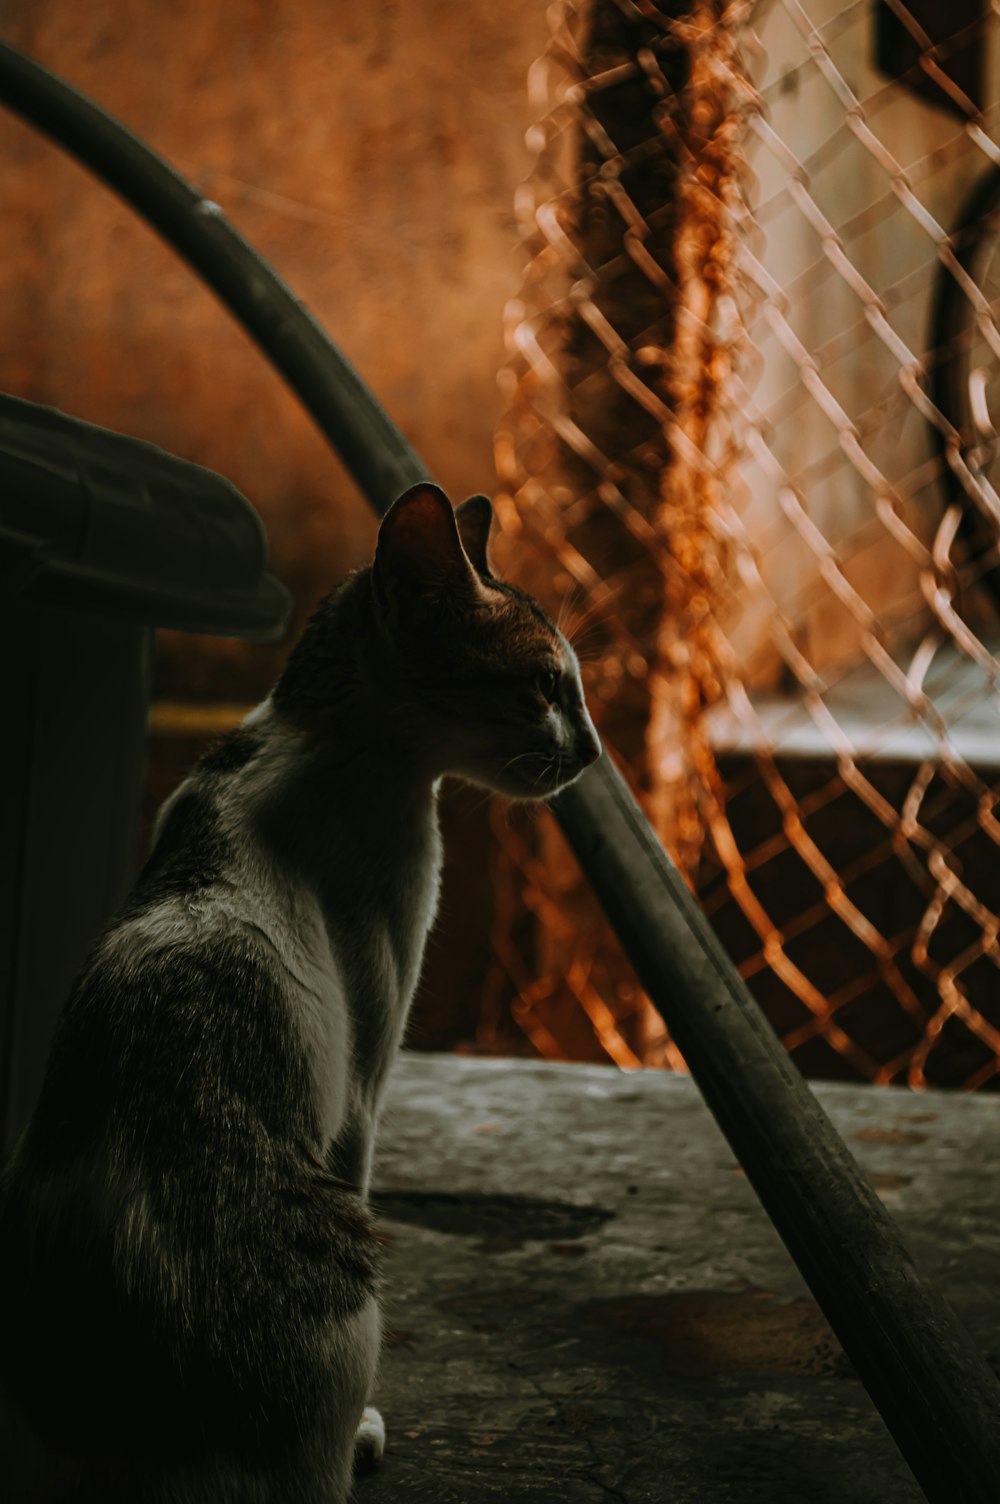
(965, 380)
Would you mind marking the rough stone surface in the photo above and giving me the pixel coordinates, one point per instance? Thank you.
(585, 1301)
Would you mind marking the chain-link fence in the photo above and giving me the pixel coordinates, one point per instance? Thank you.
(752, 386)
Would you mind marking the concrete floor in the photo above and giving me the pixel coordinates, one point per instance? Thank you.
(585, 1302)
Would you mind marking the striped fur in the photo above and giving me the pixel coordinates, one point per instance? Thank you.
(188, 1271)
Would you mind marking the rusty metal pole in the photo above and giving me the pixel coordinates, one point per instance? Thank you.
(935, 1391)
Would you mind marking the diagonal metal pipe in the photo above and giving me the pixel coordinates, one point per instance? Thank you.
(936, 1393)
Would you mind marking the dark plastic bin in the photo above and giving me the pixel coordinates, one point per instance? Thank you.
(102, 538)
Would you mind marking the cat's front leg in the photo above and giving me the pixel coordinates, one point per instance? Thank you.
(369, 1440)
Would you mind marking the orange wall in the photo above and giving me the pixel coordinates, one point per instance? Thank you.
(371, 153)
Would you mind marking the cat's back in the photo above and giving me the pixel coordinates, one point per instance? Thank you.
(170, 1182)
(186, 995)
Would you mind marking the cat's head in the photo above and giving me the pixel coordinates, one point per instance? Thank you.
(491, 686)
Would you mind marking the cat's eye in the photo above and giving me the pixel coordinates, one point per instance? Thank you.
(548, 685)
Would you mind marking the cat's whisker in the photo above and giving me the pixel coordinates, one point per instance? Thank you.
(543, 774)
(567, 606)
(593, 634)
(519, 758)
(482, 801)
(596, 608)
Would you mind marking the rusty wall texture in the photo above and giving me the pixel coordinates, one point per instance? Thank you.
(371, 153)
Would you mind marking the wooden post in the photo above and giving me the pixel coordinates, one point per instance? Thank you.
(935, 1391)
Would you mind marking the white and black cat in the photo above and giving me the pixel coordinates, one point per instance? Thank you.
(188, 1273)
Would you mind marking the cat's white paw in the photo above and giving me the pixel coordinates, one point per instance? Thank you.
(369, 1440)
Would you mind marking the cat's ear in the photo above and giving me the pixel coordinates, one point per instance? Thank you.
(475, 518)
(420, 553)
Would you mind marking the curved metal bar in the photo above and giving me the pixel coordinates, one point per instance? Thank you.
(935, 1391)
(364, 436)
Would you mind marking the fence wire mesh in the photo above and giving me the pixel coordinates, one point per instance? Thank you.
(752, 386)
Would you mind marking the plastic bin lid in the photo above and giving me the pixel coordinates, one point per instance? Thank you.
(98, 521)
